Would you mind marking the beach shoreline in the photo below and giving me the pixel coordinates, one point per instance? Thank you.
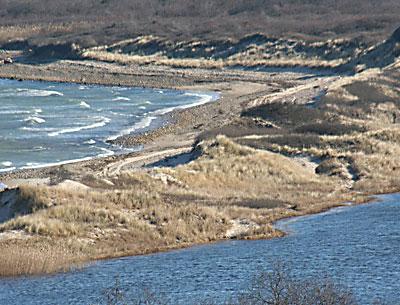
(64, 72)
(183, 136)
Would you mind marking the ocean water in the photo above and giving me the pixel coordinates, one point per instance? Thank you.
(357, 247)
(44, 123)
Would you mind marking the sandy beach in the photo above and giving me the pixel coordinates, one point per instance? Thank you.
(180, 128)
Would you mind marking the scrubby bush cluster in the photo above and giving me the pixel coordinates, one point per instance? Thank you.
(276, 287)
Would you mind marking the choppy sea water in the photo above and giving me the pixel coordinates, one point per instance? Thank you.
(44, 123)
(357, 247)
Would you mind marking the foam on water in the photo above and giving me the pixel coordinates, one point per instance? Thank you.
(106, 152)
(83, 104)
(7, 169)
(31, 93)
(90, 142)
(72, 122)
(204, 98)
(104, 121)
(15, 112)
(121, 98)
(31, 165)
(34, 120)
(37, 129)
(144, 123)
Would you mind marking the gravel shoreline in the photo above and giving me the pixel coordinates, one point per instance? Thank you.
(175, 129)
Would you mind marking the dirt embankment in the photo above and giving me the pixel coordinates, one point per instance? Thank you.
(255, 51)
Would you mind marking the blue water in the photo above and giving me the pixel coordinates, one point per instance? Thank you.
(43, 123)
(355, 246)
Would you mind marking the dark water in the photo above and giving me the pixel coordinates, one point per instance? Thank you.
(355, 246)
(43, 123)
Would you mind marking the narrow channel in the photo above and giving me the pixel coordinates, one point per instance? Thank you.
(356, 246)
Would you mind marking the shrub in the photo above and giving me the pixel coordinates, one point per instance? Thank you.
(276, 287)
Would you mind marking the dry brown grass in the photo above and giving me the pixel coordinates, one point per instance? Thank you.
(354, 130)
(35, 257)
(121, 19)
(243, 61)
(229, 169)
(99, 224)
(159, 209)
(141, 214)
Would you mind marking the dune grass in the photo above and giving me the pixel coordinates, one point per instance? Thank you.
(235, 188)
(353, 130)
(227, 169)
(140, 213)
(243, 61)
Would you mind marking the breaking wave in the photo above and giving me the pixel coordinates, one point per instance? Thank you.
(34, 120)
(101, 123)
(31, 93)
(85, 105)
(121, 98)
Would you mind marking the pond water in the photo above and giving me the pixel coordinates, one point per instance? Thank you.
(356, 246)
(44, 123)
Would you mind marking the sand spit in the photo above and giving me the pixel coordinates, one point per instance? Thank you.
(227, 169)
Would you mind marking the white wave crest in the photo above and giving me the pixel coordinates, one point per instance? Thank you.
(34, 120)
(7, 163)
(144, 123)
(101, 123)
(14, 112)
(8, 169)
(204, 99)
(106, 152)
(85, 105)
(36, 129)
(90, 142)
(121, 98)
(35, 92)
(31, 165)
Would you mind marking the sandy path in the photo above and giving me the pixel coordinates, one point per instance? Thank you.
(115, 169)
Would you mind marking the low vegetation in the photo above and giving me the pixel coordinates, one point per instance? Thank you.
(239, 60)
(231, 191)
(279, 159)
(353, 131)
(42, 21)
(32, 256)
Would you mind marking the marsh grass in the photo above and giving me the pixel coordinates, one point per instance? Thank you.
(34, 258)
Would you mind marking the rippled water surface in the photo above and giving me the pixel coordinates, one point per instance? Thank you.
(42, 123)
(356, 246)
